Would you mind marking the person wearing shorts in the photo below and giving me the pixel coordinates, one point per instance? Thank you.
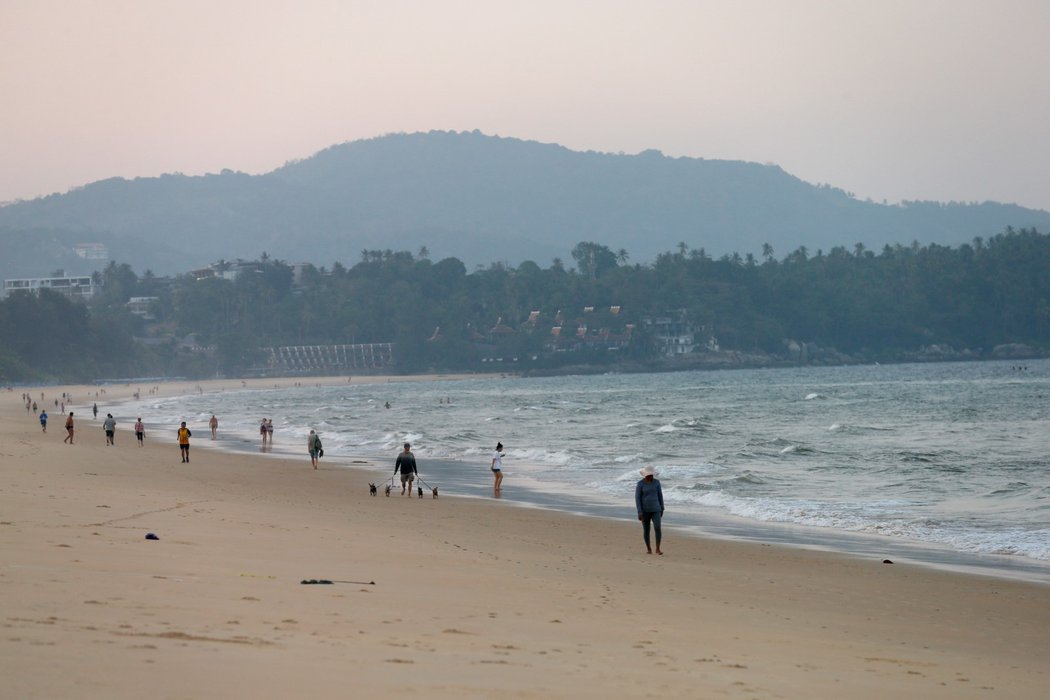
(497, 466)
(314, 447)
(406, 464)
(110, 426)
(69, 429)
(140, 431)
(184, 442)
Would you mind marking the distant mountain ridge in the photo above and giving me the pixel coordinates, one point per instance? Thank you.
(476, 197)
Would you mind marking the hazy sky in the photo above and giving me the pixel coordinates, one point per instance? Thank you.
(889, 99)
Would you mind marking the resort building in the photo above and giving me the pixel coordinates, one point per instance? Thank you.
(672, 334)
(75, 287)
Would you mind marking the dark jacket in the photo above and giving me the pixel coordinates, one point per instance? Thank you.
(406, 462)
(649, 497)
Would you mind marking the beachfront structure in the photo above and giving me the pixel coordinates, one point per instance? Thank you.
(75, 287)
(313, 359)
(672, 333)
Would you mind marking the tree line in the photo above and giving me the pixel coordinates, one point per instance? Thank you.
(868, 305)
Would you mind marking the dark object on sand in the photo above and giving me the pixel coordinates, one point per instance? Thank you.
(886, 561)
(372, 490)
(315, 580)
(151, 536)
(420, 489)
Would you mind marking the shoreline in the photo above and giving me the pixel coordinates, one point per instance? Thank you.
(461, 478)
(471, 597)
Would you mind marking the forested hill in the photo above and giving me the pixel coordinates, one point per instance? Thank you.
(475, 197)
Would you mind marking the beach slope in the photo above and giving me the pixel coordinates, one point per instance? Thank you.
(445, 598)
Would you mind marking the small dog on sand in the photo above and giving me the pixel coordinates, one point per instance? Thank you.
(420, 489)
(372, 491)
(434, 491)
(387, 490)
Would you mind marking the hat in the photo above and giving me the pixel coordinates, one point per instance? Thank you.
(648, 471)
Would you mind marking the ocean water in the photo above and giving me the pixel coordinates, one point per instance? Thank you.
(944, 463)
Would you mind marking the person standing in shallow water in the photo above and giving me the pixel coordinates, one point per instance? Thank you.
(497, 467)
(214, 425)
(649, 500)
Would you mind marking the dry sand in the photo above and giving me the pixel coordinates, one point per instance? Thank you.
(471, 598)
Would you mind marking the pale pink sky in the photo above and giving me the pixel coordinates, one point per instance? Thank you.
(890, 99)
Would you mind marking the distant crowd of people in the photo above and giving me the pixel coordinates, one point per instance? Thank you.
(649, 500)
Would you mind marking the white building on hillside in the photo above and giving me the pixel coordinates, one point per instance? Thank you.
(76, 287)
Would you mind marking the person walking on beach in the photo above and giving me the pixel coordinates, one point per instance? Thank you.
(406, 463)
(140, 431)
(262, 431)
(184, 442)
(110, 426)
(43, 421)
(497, 466)
(649, 500)
(313, 446)
(94, 411)
(69, 428)
(214, 425)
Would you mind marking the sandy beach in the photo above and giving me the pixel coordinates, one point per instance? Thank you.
(445, 598)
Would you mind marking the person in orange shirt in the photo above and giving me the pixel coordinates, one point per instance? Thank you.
(184, 442)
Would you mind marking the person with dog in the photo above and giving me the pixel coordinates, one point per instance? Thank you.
(406, 464)
(497, 467)
(649, 500)
(313, 446)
